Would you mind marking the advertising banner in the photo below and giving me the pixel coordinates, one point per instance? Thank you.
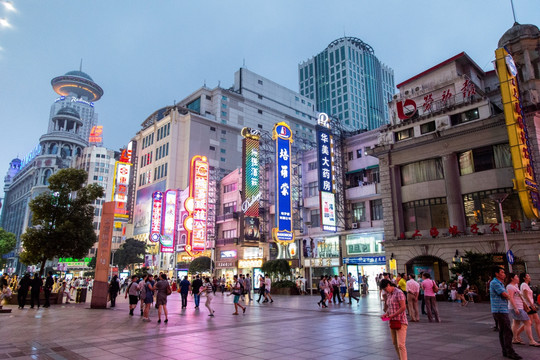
(283, 230)
(197, 205)
(168, 231)
(157, 209)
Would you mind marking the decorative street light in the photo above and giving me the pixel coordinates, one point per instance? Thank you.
(499, 198)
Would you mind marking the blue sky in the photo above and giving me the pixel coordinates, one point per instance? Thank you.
(147, 54)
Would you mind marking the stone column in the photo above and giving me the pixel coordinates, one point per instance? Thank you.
(454, 199)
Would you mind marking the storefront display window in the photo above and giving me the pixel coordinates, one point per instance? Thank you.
(480, 209)
(364, 243)
(329, 247)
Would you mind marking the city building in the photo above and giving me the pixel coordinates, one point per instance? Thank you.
(445, 164)
(347, 80)
(71, 120)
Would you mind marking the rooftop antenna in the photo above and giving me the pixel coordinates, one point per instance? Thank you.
(80, 67)
(204, 83)
(513, 11)
(244, 62)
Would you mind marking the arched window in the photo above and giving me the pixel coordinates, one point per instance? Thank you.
(45, 178)
(53, 148)
(66, 152)
(79, 151)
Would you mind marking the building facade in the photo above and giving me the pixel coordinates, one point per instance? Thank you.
(71, 120)
(346, 80)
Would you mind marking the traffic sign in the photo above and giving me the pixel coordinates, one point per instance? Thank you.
(510, 257)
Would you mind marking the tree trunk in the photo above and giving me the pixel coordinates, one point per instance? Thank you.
(42, 267)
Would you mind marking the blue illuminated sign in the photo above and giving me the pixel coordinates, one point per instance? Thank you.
(283, 232)
(365, 260)
(31, 155)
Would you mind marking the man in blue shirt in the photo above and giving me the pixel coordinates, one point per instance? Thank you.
(499, 309)
(184, 291)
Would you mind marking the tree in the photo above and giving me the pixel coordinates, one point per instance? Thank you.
(475, 268)
(200, 265)
(131, 252)
(277, 267)
(62, 219)
(92, 263)
(7, 243)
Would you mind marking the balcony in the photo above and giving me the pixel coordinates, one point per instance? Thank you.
(230, 216)
(228, 241)
(363, 191)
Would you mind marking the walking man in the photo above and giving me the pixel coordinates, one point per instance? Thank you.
(197, 283)
(184, 291)
(499, 309)
(350, 282)
(267, 288)
(49, 283)
(37, 284)
(335, 288)
(247, 286)
(342, 286)
(133, 293)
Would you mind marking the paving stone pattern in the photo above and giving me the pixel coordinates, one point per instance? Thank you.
(292, 327)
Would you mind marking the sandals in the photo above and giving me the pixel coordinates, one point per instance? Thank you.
(535, 344)
(518, 342)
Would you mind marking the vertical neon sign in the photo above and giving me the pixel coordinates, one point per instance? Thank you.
(197, 205)
(168, 230)
(325, 156)
(283, 232)
(155, 221)
(250, 185)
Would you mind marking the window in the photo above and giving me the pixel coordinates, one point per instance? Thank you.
(350, 155)
(223, 151)
(260, 97)
(212, 128)
(259, 111)
(480, 209)
(315, 216)
(195, 105)
(259, 126)
(420, 171)
(312, 189)
(358, 153)
(229, 208)
(223, 113)
(359, 211)
(404, 134)
(212, 148)
(464, 116)
(376, 209)
(427, 127)
(229, 188)
(260, 82)
(312, 166)
(229, 234)
(208, 97)
(485, 158)
(425, 214)
(224, 98)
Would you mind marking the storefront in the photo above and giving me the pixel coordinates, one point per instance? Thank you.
(365, 256)
(226, 269)
(369, 266)
(252, 267)
(321, 257)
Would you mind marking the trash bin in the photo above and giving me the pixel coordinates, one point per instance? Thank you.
(82, 298)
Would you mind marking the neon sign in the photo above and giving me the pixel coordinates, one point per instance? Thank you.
(155, 221)
(325, 156)
(283, 232)
(518, 135)
(250, 185)
(120, 188)
(31, 155)
(95, 134)
(197, 205)
(168, 231)
(75, 99)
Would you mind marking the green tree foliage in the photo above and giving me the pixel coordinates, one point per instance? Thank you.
(131, 252)
(279, 267)
(200, 265)
(92, 263)
(62, 219)
(475, 268)
(7, 243)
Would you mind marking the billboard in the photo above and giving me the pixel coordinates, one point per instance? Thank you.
(143, 207)
(283, 230)
(157, 209)
(250, 185)
(518, 135)
(325, 157)
(95, 134)
(168, 230)
(120, 188)
(197, 205)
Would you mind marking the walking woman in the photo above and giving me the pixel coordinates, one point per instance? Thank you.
(163, 290)
(397, 316)
(322, 291)
(237, 291)
(208, 290)
(430, 290)
(261, 288)
(518, 313)
(527, 294)
(149, 296)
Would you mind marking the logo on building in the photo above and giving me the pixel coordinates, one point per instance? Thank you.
(95, 135)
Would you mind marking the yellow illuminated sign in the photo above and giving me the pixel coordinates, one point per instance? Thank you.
(251, 263)
(525, 182)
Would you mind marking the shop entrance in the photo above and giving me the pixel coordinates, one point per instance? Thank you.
(436, 267)
(370, 271)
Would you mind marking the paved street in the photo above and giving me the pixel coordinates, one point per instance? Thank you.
(293, 327)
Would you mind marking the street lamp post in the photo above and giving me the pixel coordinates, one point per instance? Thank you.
(499, 198)
(112, 262)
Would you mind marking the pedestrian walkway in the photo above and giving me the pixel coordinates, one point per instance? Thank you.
(292, 327)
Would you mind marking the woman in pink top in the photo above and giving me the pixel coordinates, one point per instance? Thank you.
(518, 313)
(430, 289)
(396, 311)
(527, 296)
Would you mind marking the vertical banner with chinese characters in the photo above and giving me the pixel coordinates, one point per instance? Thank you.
(250, 186)
(168, 230)
(283, 232)
(120, 188)
(197, 205)
(518, 135)
(155, 219)
(325, 157)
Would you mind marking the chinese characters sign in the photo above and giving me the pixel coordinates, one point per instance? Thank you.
(518, 136)
(155, 220)
(197, 205)
(250, 184)
(168, 230)
(95, 134)
(325, 156)
(283, 232)
(120, 188)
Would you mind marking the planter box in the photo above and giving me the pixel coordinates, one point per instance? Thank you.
(285, 291)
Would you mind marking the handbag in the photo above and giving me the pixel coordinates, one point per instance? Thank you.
(435, 287)
(395, 324)
(169, 290)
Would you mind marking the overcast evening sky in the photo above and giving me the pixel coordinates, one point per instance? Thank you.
(147, 54)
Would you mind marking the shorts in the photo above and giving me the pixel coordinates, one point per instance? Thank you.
(522, 316)
(236, 299)
(461, 291)
(133, 299)
(343, 289)
(266, 291)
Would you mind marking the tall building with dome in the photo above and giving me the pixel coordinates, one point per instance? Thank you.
(71, 119)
